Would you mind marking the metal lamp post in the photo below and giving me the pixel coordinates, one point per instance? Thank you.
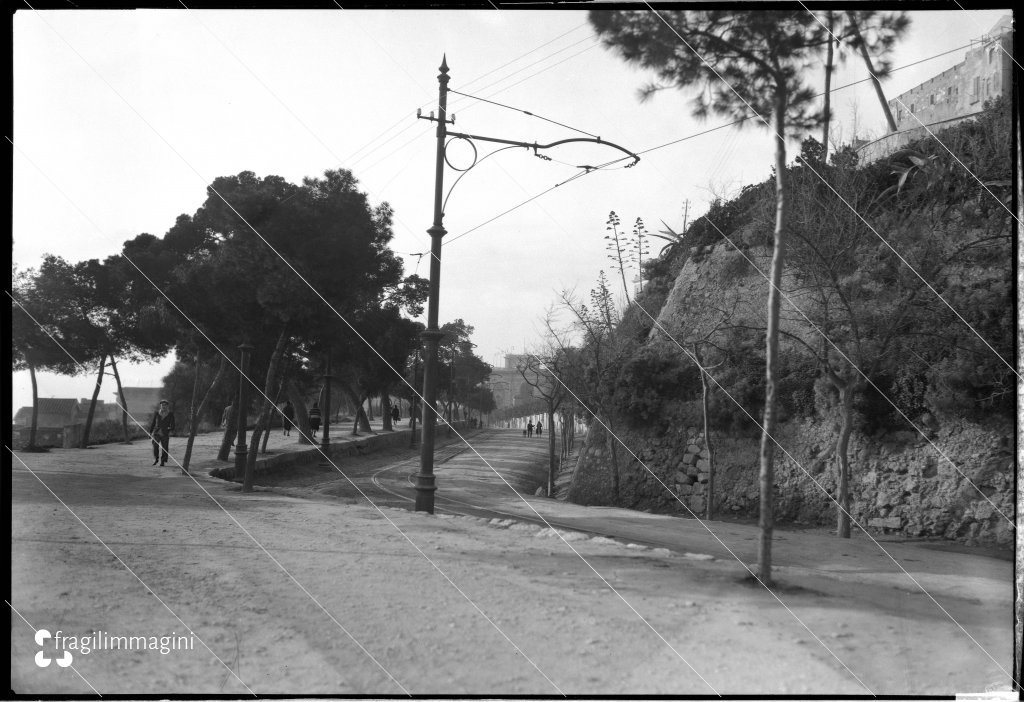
(431, 336)
(241, 450)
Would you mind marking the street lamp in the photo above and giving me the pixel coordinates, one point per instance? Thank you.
(431, 336)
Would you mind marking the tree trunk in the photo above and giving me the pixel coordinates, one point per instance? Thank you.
(267, 406)
(766, 477)
(871, 71)
(552, 466)
(266, 434)
(195, 396)
(301, 413)
(829, 59)
(412, 423)
(385, 410)
(199, 411)
(92, 405)
(842, 459)
(34, 426)
(709, 504)
(230, 432)
(124, 402)
(362, 419)
(615, 464)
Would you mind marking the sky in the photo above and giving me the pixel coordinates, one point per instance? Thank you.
(121, 119)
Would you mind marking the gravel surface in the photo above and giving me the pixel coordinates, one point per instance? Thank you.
(293, 590)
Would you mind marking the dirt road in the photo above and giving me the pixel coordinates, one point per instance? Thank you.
(303, 591)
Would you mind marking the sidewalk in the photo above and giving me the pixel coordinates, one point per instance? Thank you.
(286, 595)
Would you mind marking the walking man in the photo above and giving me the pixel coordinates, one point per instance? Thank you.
(160, 430)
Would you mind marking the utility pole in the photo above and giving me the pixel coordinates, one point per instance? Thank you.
(432, 335)
(686, 213)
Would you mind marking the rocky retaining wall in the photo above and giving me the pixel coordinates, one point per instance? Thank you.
(959, 489)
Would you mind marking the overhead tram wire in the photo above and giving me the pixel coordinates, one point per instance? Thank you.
(686, 138)
(402, 378)
(317, 447)
(932, 134)
(851, 208)
(525, 112)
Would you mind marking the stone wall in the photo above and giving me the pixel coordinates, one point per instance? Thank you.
(900, 483)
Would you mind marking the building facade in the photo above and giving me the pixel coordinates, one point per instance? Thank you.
(507, 383)
(953, 96)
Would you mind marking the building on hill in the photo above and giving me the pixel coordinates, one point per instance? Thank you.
(54, 412)
(951, 97)
(507, 383)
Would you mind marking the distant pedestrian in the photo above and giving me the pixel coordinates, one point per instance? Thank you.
(289, 418)
(529, 428)
(160, 429)
(226, 416)
(314, 419)
(396, 414)
(540, 428)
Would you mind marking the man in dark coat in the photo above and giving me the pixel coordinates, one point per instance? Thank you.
(160, 431)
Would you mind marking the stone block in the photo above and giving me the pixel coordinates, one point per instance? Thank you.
(702, 477)
(684, 489)
(703, 465)
(885, 523)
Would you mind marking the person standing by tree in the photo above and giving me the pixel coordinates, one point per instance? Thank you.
(314, 418)
(160, 429)
(289, 417)
(396, 414)
(540, 428)
(529, 428)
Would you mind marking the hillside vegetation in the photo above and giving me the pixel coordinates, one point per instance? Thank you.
(897, 326)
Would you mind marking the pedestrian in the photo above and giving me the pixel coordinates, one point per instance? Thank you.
(226, 416)
(314, 419)
(289, 417)
(540, 428)
(396, 414)
(160, 429)
(529, 428)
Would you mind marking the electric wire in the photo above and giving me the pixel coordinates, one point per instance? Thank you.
(319, 449)
(525, 112)
(569, 179)
(854, 210)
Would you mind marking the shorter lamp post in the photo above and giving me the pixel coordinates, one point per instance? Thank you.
(241, 450)
(325, 442)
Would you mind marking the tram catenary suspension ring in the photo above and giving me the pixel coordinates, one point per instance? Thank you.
(525, 145)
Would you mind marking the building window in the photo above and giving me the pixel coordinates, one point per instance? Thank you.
(991, 54)
(931, 99)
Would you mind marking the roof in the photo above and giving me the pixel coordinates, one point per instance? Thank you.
(51, 405)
